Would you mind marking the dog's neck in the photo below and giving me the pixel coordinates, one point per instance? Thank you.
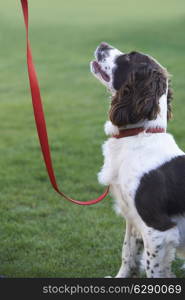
(159, 122)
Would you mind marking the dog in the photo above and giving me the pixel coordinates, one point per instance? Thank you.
(143, 165)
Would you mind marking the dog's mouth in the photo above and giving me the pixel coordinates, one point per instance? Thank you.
(98, 70)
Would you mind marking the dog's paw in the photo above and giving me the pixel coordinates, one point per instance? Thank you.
(108, 277)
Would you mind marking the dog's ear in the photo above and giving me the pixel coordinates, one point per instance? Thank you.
(138, 97)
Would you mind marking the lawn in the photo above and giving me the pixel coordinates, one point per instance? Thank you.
(42, 235)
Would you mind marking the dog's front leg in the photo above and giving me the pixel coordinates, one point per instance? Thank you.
(131, 253)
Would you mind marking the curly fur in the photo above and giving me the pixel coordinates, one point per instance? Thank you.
(138, 97)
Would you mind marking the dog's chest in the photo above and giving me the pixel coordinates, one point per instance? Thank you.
(128, 159)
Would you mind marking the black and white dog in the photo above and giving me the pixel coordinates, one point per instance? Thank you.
(142, 163)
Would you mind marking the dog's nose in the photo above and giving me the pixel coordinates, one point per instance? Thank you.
(103, 46)
(102, 50)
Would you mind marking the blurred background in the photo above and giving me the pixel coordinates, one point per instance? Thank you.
(42, 235)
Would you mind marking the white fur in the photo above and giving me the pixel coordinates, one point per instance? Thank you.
(180, 221)
(110, 129)
(108, 66)
(126, 160)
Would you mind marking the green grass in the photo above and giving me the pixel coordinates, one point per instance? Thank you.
(41, 234)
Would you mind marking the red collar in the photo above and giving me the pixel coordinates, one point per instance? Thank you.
(135, 131)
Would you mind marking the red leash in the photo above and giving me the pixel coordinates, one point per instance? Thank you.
(40, 120)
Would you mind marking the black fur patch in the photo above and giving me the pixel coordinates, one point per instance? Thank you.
(121, 71)
(161, 194)
(139, 83)
(126, 63)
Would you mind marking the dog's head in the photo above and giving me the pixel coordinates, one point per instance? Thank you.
(136, 81)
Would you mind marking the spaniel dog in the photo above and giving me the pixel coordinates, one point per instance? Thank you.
(143, 165)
